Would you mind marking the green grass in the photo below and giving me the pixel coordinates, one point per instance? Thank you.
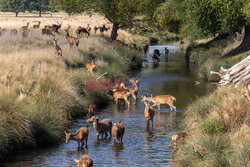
(217, 134)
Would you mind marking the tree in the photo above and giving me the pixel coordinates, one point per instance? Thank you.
(39, 5)
(121, 13)
(14, 6)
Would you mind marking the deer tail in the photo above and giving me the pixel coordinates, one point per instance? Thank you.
(174, 98)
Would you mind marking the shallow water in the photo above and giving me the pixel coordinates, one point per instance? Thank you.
(141, 146)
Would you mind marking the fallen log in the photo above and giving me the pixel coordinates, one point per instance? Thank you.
(238, 73)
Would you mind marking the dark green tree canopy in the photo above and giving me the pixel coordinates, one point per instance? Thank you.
(15, 6)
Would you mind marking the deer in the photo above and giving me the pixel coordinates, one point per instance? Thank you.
(46, 31)
(84, 161)
(25, 27)
(90, 66)
(81, 136)
(246, 90)
(71, 40)
(88, 28)
(118, 132)
(118, 42)
(25, 34)
(161, 99)
(91, 111)
(13, 32)
(123, 94)
(95, 29)
(57, 48)
(36, 26)
(166, 51)
(105, 28)
(149, 113)
(145, 49)
(55, 27)
(101, 127)
(80, 30)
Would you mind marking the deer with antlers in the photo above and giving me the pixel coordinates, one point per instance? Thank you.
(71, 40)
(57, 48)
(55, 27)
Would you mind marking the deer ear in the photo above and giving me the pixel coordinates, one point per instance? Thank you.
(76, 160)
(113, 123)
(65, 132)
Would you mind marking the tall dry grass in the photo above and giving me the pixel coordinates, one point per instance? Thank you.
(41, 92)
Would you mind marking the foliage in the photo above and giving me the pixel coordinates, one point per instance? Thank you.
(14, 5)
(38, 5)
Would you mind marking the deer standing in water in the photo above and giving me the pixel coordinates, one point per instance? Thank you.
(80, 136)
(57, 48)
(71, 40)
(118, 132)
(91, 111)
(161, 99)
(85, 161)
(101, 127)
(149, 113)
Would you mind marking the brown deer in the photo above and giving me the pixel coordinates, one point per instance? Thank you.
(80, 136)
(55, 27)
(47, 31)
(161, 99)
(57, 48)
(118, 132)
(118, 42)
(123, 94)
(91, 111)
(36, 26)
(85, 161)
(80, 30)
(90, 66)
(246, 90)
(71, 40)
(149, 113)
(88, 28)
(25, 34)
(25, 27)
(13, 32)
(101, 127)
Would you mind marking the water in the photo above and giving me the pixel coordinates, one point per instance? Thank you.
(142, 146)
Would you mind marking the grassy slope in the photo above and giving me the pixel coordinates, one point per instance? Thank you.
(218, 131)
(218, 125)
(53, 92)
(209, 58)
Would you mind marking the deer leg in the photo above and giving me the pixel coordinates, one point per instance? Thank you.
(159, 108)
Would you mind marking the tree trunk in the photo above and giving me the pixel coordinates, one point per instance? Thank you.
(244, 46)
(16, 14)
(114, 31)
(238, 73)
(40, 13)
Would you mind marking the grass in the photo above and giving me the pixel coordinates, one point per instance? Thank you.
(210, 57)
(217, 132)
(41, 93)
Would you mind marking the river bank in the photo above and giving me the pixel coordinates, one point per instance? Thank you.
(216, 127)
(41, 93)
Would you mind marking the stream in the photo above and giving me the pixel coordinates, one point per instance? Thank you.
(141, 146)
